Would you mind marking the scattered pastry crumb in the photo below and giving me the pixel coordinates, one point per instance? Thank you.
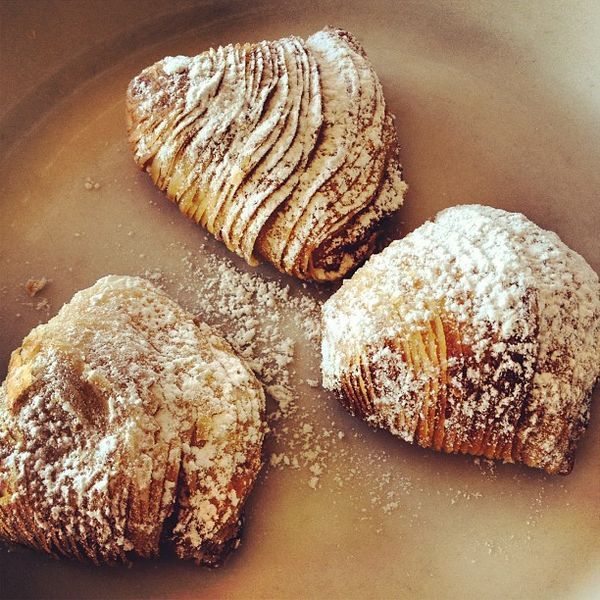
(487, 467)
(462, 494)
(34, 286)
(43, 304)
(91, 186)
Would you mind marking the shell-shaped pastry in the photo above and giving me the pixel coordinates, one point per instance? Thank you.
(283, 150)
(478, 333)
(127, 427)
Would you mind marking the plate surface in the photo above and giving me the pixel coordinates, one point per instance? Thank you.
(496, 103)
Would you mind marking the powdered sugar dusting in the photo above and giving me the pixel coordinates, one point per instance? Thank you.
(283, 150)
(175, 64)
(479, 332)
(119, 415)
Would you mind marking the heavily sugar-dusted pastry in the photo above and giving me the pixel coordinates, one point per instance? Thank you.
(478, 333)
(284, 150)
(127, 427)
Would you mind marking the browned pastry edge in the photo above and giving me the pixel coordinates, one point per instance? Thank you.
(358, 387)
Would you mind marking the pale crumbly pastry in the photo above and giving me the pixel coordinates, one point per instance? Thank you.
(478, 333)
(127, 428)
(283, 150)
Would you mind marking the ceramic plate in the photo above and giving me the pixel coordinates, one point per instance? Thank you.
(496, 102)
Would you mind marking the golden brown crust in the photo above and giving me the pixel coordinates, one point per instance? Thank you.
(126, 427)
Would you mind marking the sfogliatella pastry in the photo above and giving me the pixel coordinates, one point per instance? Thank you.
(127, 428)
(284, 150)
(478, 333)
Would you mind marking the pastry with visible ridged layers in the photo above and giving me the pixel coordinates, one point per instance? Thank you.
(284, 150)
(127, 428)
(478, 333)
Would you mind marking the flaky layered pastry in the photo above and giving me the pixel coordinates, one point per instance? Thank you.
(284, 150)
(127, 428)
(478, 333)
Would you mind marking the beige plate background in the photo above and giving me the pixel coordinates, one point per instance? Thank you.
(496, 102)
